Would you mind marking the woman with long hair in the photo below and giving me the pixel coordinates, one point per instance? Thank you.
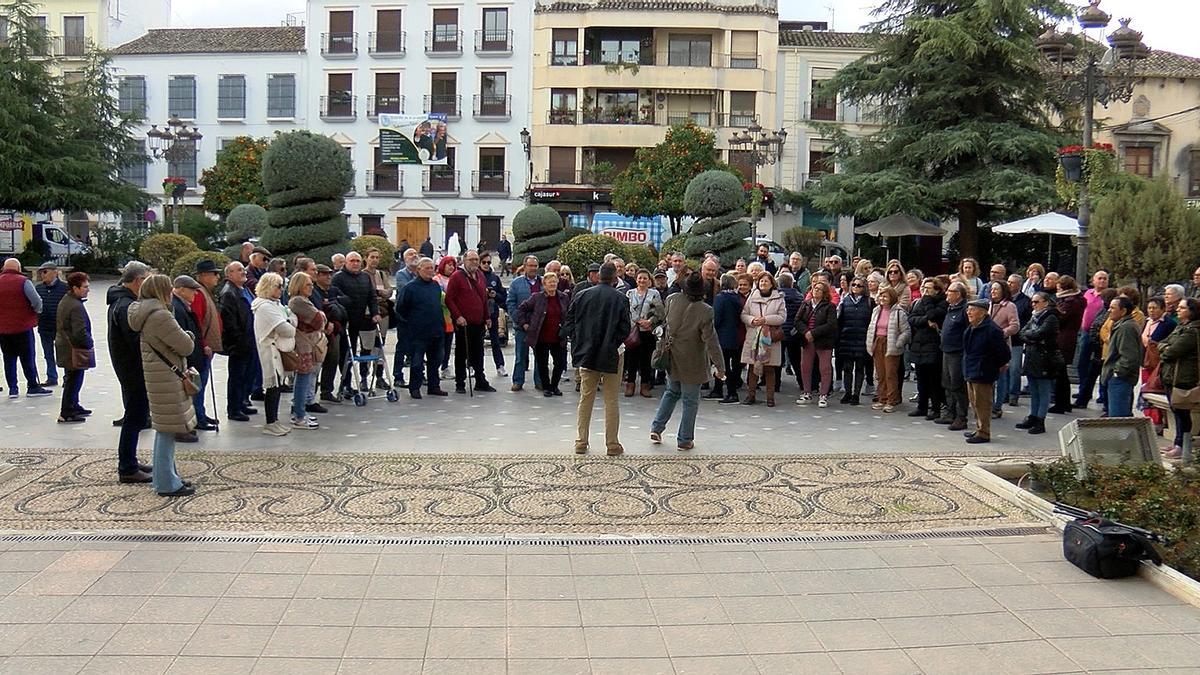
(310, 345)
(274, 332)
(1180, 354)
(1070, 305)
(763, 314)
(894, 278)
(854, 315)
(968, 272)
(887, 336)
(694, 354)
(925, 321)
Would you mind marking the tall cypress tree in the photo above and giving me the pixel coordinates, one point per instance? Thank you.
(964, 103)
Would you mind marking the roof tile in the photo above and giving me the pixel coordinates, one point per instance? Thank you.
(826, 38)
(656, 5)
(246, 40)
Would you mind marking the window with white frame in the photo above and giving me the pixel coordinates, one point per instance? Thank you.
(132, 95)
(281, 96)
(181, 97)
(231, 97)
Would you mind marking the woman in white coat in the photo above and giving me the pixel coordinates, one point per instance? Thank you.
(763, 314)
(274, 332)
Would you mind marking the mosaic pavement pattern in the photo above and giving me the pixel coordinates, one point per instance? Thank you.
(270, 491)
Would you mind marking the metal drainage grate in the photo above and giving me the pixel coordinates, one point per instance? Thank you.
(484, 540)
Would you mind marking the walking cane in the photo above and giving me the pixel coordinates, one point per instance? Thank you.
(467, 349)
(213, 390)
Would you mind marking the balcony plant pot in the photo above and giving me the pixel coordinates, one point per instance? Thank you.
(1072, 164)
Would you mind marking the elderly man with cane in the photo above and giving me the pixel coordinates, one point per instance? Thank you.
(466, 298)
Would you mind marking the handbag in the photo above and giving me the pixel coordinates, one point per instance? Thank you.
(634, 339)
(190, 378)
(82, 359)
(1188, 399)
(291, 361)
(661, 358)
(1104, 548)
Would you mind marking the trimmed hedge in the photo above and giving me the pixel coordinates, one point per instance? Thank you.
(187, 264)
(713, 193)
(160, 251)
(322, 254)
(536, 220)
(586, 249)
(245, 221)
(642, 255)
(676, 243)
(285, 241)
(307, 161)
(305, 214)
(288, 197)
(366, 242)
(718, 200)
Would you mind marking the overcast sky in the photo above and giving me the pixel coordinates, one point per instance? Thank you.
(1167, 24)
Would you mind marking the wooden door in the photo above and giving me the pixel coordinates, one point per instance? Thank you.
(415, 230)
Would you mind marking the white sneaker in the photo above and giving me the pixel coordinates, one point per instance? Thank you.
(823, 402)
(501, 371)
(804, 399)
(306, 423)
(276, 429)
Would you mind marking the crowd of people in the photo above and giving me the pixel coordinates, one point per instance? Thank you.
(972, 346)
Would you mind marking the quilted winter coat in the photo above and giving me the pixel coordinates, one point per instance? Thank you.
(171, 410)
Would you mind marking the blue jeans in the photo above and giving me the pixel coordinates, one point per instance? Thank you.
(48, 352)
(198, 399)
(165, 477)
(690, 393)
(1014, 370)
(19, 347)
(1120, 397)
(1087, 369)
(301, 390)
(1039, 396)
(522, 360)
(242, 368)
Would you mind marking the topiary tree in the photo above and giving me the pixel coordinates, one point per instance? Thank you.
(186, 264)
(366, 242)
(642, 255)
(718, 201)
(586, 249)
(1140, 232)
(160, 251)
(244, 222)
(538, 230)
(305, 176)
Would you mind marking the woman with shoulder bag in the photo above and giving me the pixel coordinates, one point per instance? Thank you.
(646, 313)
(73, 346)
(165, 348)
(1180, 354)
(695, 350)
(816, 327)
(764, 313)
(310, 345)
(274, 332)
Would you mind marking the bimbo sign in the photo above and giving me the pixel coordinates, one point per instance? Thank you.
(627, 236)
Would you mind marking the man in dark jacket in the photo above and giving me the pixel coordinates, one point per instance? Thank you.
(238, 343)
(362, 306)
(952, 358)
(1124, 361)
(125, 352)
(925, 319)
(497, 298)
(984, 356)
(184, 290)
(854, 319)
(1024, 312)
(51, 290)
(467, 298)
(329, 298)
(504, 252)
(427, 248)
(727, 320)
(419, 303)
(596, 325)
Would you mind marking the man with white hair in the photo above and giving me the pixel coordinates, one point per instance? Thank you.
(834, 264)
(125, 353)
(678, 262)
(1172, 294)
(20, 305)
(338, 260)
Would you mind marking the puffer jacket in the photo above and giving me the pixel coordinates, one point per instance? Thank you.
(898, 331)
(793, 300)
(953, 328)
(1024, 311)
(171, 410)
(1180, 352)
(771, 308)
(51, 295)
(926, 344)
(853, 319)
(124, 348)
(824, 322)
(1004, 315)
(727, 319)
(359, 299)
(1040, 337)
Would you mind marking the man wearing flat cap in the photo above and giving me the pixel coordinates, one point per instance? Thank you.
(51, 289)
(184, 290)
(258, 266)
(208, 317)
(985, 356)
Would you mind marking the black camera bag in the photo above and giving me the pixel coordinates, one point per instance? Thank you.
(1106, 549)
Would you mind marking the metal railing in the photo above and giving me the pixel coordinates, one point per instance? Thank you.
(445, 43)
(493, 107)
(489, 182)
(388, 182)
(386, 43)
(62, 45)
(384, 103)
(617, 115)
(708, 120)
(339, 44)
(824, 111)
(493, 41)
(439, 181)
(448, 104)
(735, 61)
(570, 177)
(339, 106)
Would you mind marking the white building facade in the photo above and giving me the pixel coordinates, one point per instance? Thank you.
(466, 60)
(223, 82)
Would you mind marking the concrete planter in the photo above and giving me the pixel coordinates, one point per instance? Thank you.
(995, 478)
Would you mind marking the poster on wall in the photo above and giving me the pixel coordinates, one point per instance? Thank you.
(629, 229)
(413, 139)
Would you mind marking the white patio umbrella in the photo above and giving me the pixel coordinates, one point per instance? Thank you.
(1047, 223)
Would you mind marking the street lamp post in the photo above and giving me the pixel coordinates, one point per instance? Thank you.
(174, 143)
(527, 144)
(1102, 79)
(765, 148)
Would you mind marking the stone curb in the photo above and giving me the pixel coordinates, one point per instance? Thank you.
(993, 478)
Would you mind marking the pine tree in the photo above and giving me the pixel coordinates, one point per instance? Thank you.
(1145, 233)
(964, 105)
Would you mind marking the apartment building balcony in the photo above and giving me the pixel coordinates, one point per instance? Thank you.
(339, 107)
(585, 177)
(339, 45)
(443, 43)
(449, 105)
(69, 46)
(384, 103)
(734, 71)
(489, 183)
(496, 108)
(385, 183)
(828, 111)
(439, 182)
(493, 42)
(383, 44)
(651, 115)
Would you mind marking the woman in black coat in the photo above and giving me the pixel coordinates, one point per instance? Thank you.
(925, 320)
(854, 316)
(1043, 360)
(816, 327)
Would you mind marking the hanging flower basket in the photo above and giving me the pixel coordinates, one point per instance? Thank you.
(1072, 164)
(174, 186)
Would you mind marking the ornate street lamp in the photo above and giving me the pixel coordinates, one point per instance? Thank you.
(527, 144)
(1104, 78)
(176, 144)
(764, 148)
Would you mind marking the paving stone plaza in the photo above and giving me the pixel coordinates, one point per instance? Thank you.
(463, 535)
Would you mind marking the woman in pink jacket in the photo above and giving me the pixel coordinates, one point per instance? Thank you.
(1004, 315)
